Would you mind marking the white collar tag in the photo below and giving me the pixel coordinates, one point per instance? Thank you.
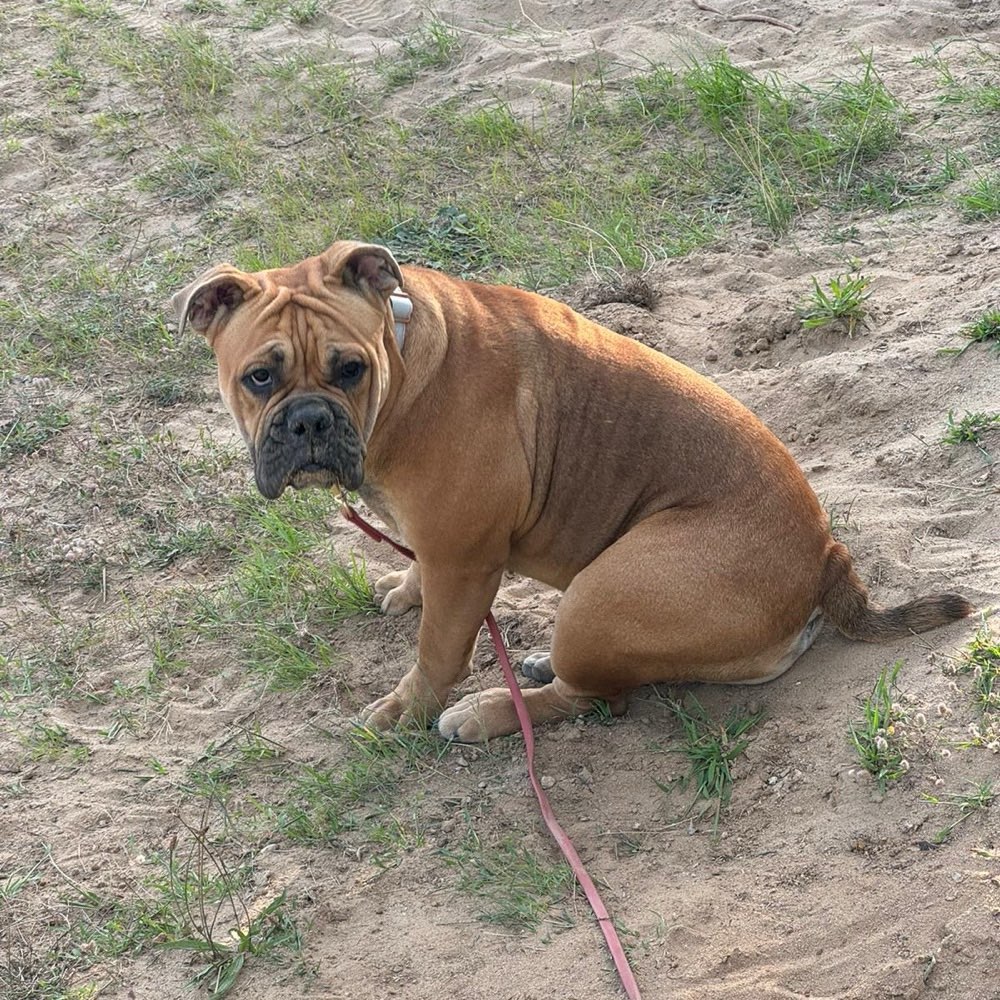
(402, 310)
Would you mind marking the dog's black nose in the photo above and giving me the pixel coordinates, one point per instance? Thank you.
(310, 418)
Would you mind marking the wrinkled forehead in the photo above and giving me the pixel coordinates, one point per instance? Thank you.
(296, 303)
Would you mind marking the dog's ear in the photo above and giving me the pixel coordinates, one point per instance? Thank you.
(367, 267)
(209, 301)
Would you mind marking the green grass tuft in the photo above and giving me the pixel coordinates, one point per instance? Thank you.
(985, 329)
(969, 429)
(433, 45)
(876, 740)
(982, 660)
(511, 886)
(24, 435)
(982, 199)
(711, 747)
(841, 301)
(982, 796)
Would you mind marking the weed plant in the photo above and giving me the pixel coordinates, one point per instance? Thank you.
(982, 661)
(842, 301)
(985, 330)
(876, 736)
(971, 803)
(969, 429)
(711, 747)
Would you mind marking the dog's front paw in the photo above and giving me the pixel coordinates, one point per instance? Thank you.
(414, 702)
(384, 712)
(479, 717)
(398, 592)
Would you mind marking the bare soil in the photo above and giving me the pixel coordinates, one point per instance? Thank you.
(816, 884)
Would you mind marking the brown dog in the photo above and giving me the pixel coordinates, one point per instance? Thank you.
(500, 430)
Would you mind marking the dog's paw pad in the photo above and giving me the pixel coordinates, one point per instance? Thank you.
(538, 666)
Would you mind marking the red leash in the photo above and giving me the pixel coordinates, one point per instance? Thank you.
(560, 836)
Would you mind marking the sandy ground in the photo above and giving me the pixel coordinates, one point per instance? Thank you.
(818, 886)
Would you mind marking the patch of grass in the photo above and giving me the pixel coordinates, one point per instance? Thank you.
(168, 389)
(52, 665)
(53, 743)
(982, 199)
(193, 902)
(792, 148)
(184, 543)
(190, 71)
(24, 435)
(970, 429)
(13, 883)
(711, 747)
(842, 301)
(63, 77)
(360, 794)
(448, 240)
(654, 99)
(877, 737)
(278, 598)
(978, 800)
(985, 329)
(982, 660)
(433, 45)
(265, 12)
(839, 513)
(862, 118)
(651, 173)
(492, 129)
(892, 189)
(511, 886)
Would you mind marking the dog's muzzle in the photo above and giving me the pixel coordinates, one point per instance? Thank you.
(310, 441)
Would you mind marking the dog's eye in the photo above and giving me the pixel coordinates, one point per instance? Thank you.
(350, 372)
(259, 378)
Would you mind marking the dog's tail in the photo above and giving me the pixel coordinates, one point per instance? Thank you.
(845, 603)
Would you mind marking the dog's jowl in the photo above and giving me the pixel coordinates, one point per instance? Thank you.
(496, 429)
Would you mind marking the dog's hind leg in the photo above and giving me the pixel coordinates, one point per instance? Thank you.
(675, 599)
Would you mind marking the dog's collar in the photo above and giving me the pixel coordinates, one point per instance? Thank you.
(402, 310)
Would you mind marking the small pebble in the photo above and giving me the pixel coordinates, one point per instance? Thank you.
(547, 781)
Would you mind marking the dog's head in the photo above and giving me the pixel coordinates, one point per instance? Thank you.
(303, 359)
